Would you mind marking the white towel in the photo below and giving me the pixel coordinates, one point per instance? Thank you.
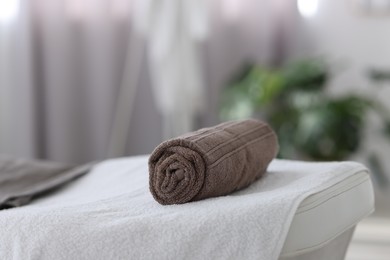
(174, 29)
(110, 214)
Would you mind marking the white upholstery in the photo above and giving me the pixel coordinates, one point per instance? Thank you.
(334, 250)
(326, 215)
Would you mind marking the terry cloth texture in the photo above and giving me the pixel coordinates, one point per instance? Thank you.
(21, 180)
(211, 162)
(109, 213)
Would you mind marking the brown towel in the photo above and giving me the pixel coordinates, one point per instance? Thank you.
(211, 161)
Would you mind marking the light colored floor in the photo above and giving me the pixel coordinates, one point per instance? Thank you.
(371, 240)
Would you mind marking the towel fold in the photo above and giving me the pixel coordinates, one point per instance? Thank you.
(211, 162)
(21, 180)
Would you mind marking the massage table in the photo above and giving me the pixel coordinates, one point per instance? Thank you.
(109, 213)
(323, 224)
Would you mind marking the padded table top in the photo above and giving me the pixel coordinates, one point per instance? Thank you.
(110, 214)
(323, 216)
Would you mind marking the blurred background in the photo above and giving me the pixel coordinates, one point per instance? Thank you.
(84, 80)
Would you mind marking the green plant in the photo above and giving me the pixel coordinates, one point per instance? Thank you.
(309, 123)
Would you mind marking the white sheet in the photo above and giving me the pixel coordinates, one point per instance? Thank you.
(110, 214)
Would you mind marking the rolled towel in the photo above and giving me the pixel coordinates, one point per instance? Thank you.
(211, 162)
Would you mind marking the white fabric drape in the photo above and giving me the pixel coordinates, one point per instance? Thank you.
(173, 29)
(16, 113)
(61, 65)
(65, 64)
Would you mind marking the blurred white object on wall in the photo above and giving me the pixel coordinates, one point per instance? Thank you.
(173, 29)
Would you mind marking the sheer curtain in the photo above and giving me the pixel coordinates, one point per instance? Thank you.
(61, 67)
(81, 78)
(16, 89)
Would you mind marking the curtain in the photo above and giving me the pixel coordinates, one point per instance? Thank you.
(16, 107)
(61, 73)
(84, 80)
